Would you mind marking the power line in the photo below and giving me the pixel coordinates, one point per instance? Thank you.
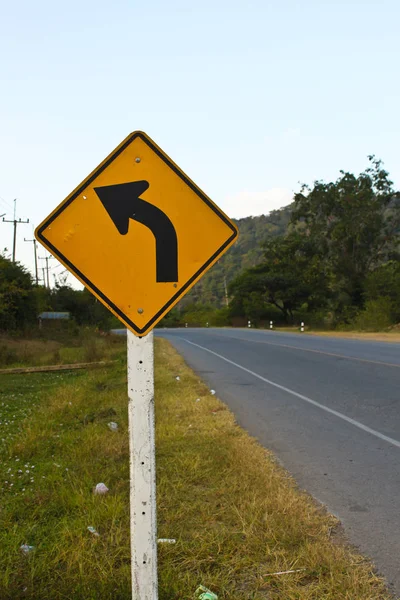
(5, 202)
(61, 277)
(59, 266)
(4, 206)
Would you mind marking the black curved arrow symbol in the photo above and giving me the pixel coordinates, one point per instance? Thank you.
(122, 203)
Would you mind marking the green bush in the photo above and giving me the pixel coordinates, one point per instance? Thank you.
(171, 319)
(320, 319)
(220, 318)
(384, 281)
(376, 316)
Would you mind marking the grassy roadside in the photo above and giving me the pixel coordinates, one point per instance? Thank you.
(235, 514)
(65, 349)
(382, 336)
(359, 335)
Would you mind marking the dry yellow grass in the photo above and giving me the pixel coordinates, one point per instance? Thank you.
(354, 335)
(88, 347)
(389, 336)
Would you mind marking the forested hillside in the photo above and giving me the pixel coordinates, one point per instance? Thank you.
(246, 253)
(332, 258)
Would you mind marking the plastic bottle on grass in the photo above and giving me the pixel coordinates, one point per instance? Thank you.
(205, 594)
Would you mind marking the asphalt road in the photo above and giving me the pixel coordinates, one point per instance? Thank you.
(329, 409)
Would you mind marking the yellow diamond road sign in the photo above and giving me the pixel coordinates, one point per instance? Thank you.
(138, 233)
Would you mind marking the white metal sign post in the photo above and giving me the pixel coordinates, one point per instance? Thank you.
(99, 234)
(142, 467)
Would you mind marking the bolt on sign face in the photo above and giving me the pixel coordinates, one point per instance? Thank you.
(138, 233)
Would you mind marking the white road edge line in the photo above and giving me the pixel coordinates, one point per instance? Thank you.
(366, 360)
(340, 415)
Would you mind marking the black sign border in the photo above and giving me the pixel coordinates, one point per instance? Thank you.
(137, 134)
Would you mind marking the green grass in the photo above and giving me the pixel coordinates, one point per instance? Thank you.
(235, 514)
(63, 447)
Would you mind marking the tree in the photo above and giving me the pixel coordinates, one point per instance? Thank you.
(354, 224)
(17, 302)
(384, 283)
(290, 275)
(84, 308)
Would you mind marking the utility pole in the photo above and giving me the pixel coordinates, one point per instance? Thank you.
(19, 222)
(46, 258)
(226, 292)
(35, 253)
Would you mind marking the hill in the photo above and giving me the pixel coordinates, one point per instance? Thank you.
(247, 252)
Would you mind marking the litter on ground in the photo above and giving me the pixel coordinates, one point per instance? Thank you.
(26, 549)
(100, 489)
(205, 594)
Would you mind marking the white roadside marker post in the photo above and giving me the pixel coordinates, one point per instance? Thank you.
(302, 326)
(271, 324)
(142, 467)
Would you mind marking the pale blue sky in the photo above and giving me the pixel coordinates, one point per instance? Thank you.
(249, 98)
